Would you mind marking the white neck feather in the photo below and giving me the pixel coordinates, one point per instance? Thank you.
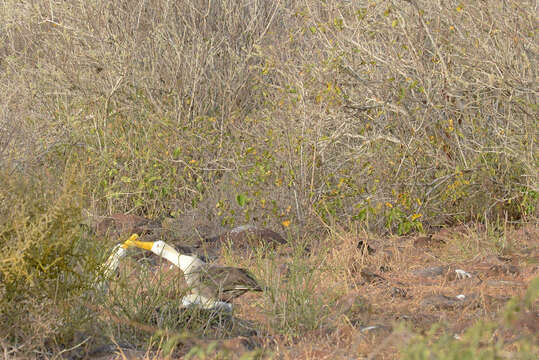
(110, 266)
(186, 263)
(114, 259)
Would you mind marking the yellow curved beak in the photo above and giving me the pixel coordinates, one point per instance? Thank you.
(129, 242)
(132, 241)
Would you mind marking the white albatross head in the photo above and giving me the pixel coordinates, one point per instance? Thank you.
(185, 262)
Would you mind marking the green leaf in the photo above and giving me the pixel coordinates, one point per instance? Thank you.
(241, 199)
(154, 178)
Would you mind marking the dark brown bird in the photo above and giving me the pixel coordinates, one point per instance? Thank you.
(223, 283)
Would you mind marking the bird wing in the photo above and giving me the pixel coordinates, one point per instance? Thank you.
(228, 278)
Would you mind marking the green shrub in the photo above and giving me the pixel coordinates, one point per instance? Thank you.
(44, 263)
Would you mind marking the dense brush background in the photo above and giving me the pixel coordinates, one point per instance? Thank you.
(386, 116)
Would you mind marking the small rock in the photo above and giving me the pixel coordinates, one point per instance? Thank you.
(398, 292)
(371, 277)
(363, 245)
(432, 271)
(506, 269)
(427, 241)
(444, 302)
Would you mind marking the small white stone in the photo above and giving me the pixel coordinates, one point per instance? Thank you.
(369, 328)
(462, 274)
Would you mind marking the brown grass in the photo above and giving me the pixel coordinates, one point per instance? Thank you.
(401, 314)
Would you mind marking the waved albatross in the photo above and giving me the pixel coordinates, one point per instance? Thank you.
(212, 286)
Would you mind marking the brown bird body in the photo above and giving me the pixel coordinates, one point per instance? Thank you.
(223, 283)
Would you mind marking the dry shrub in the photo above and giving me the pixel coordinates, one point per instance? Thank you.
(337, 107)
(428, 107)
